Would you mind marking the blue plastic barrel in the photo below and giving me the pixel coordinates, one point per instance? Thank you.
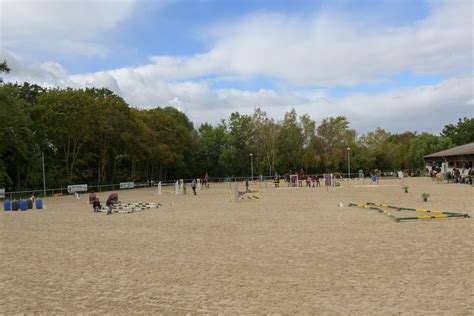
(15, 205)
(7, 206)
(39, 204)
(23, 205)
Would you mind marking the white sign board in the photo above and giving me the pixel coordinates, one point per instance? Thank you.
(2, 193)
(77, 188)
(400, 174)
(127, 185)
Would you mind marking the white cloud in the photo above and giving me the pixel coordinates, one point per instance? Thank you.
(422, 108)
(46, 74)
(67, 26)
(329, 49)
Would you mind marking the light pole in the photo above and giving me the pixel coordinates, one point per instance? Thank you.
(251, 166)
(349, 161)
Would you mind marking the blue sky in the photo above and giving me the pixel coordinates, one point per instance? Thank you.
(210, 58)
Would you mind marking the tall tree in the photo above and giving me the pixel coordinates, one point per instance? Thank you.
(461, 133)
(423, 145)
(335, 137)
(241, 139)
(4, 68)
(311, 157)
(66, 125)
(290, 143)
(266, 134)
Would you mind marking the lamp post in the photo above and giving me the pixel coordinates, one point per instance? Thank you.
(251, 166)
(349, 162)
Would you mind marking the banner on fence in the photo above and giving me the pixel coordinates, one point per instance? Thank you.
(77, 188)
(127, 185)
(2, 193)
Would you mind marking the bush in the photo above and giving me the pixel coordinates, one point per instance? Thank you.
(425, 196)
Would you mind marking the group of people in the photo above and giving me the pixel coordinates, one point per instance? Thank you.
(110, 203)
(456, 175)
(311, 181)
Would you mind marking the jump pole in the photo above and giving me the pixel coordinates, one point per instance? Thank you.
(418, 210)
(375, 209)
(432, 217)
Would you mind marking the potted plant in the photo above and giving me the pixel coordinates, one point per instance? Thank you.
(425, 196)
(405, 187)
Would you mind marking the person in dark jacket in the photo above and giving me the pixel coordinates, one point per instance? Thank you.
(96, 205)
(193, 186)
(111, 201)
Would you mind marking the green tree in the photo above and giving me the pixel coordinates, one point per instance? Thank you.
(4, 68)
(17, 138)
(241, 143)
(311, 158)
(212, 142)
(290, 143)
(111, 118)
(266, 134)
(335, 137)
(423, 145)
(66, 125)
(461, 133)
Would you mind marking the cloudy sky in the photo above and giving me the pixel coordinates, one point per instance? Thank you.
(403, 65)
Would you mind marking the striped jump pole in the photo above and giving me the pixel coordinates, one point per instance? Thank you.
(249, 195)
(139, 204)
(432, 211)
(385, 212)
(428, 217)
(384, 205)
(420, 210)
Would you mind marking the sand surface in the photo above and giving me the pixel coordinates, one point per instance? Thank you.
(292, 251)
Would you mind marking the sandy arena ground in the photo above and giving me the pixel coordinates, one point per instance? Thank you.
(293, 251)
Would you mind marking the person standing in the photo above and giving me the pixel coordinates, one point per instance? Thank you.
(111, 201)
(206, 181)
(193, 186)
(92, 197)
(96, 205)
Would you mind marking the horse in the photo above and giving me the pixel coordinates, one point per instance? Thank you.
(439, 177)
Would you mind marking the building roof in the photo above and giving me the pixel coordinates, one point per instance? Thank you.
(464, 150)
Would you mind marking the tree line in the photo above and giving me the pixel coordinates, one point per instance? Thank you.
(93, 136)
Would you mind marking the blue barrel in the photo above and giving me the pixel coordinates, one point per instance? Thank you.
(7, 206)
(39, 204)
(15, 205)
(23, 205)
(29, 202)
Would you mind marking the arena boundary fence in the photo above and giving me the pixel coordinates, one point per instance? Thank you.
(143, 184)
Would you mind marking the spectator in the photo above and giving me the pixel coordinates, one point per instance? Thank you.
(92, 197)
(193, 186)
(96, 205)
(110, 203)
